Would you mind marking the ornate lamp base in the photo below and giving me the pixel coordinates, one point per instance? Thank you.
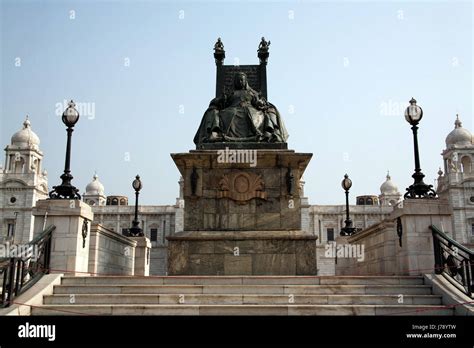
(135, 231)
(419, 189)
(65, 190)
(348, 231)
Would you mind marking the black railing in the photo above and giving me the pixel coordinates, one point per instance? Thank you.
(454, 261)
(27, 265)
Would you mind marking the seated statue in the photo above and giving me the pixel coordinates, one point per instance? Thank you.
(242, 116)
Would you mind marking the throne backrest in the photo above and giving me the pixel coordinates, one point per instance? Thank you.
(256, 77)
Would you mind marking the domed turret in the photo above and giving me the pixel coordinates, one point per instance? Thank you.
(459, 135)
(95, 187)
(25, 137)
(389, 194)
(95, 192)
(389, 187)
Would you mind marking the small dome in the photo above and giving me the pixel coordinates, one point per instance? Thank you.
(95, 187)
(389, 187)
(25, 137)
(460, 135)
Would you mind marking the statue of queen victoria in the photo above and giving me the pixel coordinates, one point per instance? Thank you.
(243, 115)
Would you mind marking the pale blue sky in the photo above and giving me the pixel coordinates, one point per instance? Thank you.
(340, 73)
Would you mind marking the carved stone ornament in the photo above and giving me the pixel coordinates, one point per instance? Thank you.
(85, 228)
(242, 187)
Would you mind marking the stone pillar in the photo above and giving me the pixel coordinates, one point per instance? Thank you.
(416, 255)
(142, 256)
(70, 250)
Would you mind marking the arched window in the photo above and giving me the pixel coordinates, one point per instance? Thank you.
(19, 166)
(115, 201)
(122, 201)
(370, 201)
(466, 164)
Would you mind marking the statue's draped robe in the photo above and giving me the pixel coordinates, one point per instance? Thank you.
(242, 116)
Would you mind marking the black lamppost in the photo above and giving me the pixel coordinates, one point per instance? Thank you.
(136, 231)
(418, 189)
(347, 230)
(66, 190)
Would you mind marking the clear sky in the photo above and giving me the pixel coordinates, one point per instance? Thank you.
(341, 74)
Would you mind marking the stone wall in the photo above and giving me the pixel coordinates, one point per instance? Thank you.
(402, 244)
(110, 253)
(158, 260)
(379, 253)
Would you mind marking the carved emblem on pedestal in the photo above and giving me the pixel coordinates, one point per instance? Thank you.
(242, 187)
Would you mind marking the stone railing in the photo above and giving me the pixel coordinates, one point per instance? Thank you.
(402, 244)
(370, 251)
(110, 253)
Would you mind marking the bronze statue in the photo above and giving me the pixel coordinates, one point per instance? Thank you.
(218, 46)
(264, 45)
(241, 116)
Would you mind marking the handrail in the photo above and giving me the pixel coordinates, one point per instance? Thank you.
(454, 261)
(454, 242)
(20, 272)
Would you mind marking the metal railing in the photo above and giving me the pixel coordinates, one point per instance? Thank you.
(20, 272)
(454, 261)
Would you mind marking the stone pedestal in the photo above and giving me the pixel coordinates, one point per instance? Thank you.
(70, 246)
(142, 256)
(402, 244)
(242, 253)
(242, 214)
(416, 255)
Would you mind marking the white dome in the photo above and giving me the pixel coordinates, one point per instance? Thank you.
(25, 137)
(459, 136)
(95, 187)
(389, 187)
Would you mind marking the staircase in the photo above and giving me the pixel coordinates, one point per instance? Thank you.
(242, 295)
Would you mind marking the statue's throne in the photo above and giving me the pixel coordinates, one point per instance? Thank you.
(256, 74)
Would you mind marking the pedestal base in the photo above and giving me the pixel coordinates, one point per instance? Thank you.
(242, 253)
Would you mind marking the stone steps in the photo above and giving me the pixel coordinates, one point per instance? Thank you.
(236, 299)
(244, 289)
(241, 310)
(242, 295)
(243, 280)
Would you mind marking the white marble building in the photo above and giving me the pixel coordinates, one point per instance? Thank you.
(22, 183)
(456, 182)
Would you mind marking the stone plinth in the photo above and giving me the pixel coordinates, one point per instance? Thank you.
(241, 196)
(402, 244)
(242, 213)
(416, 255)
(242, 253)
(70, 247)
(142, 256)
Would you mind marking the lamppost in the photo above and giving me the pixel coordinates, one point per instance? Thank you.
(418, 189)
(66, 190)
(136, 231)
(347, 230)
